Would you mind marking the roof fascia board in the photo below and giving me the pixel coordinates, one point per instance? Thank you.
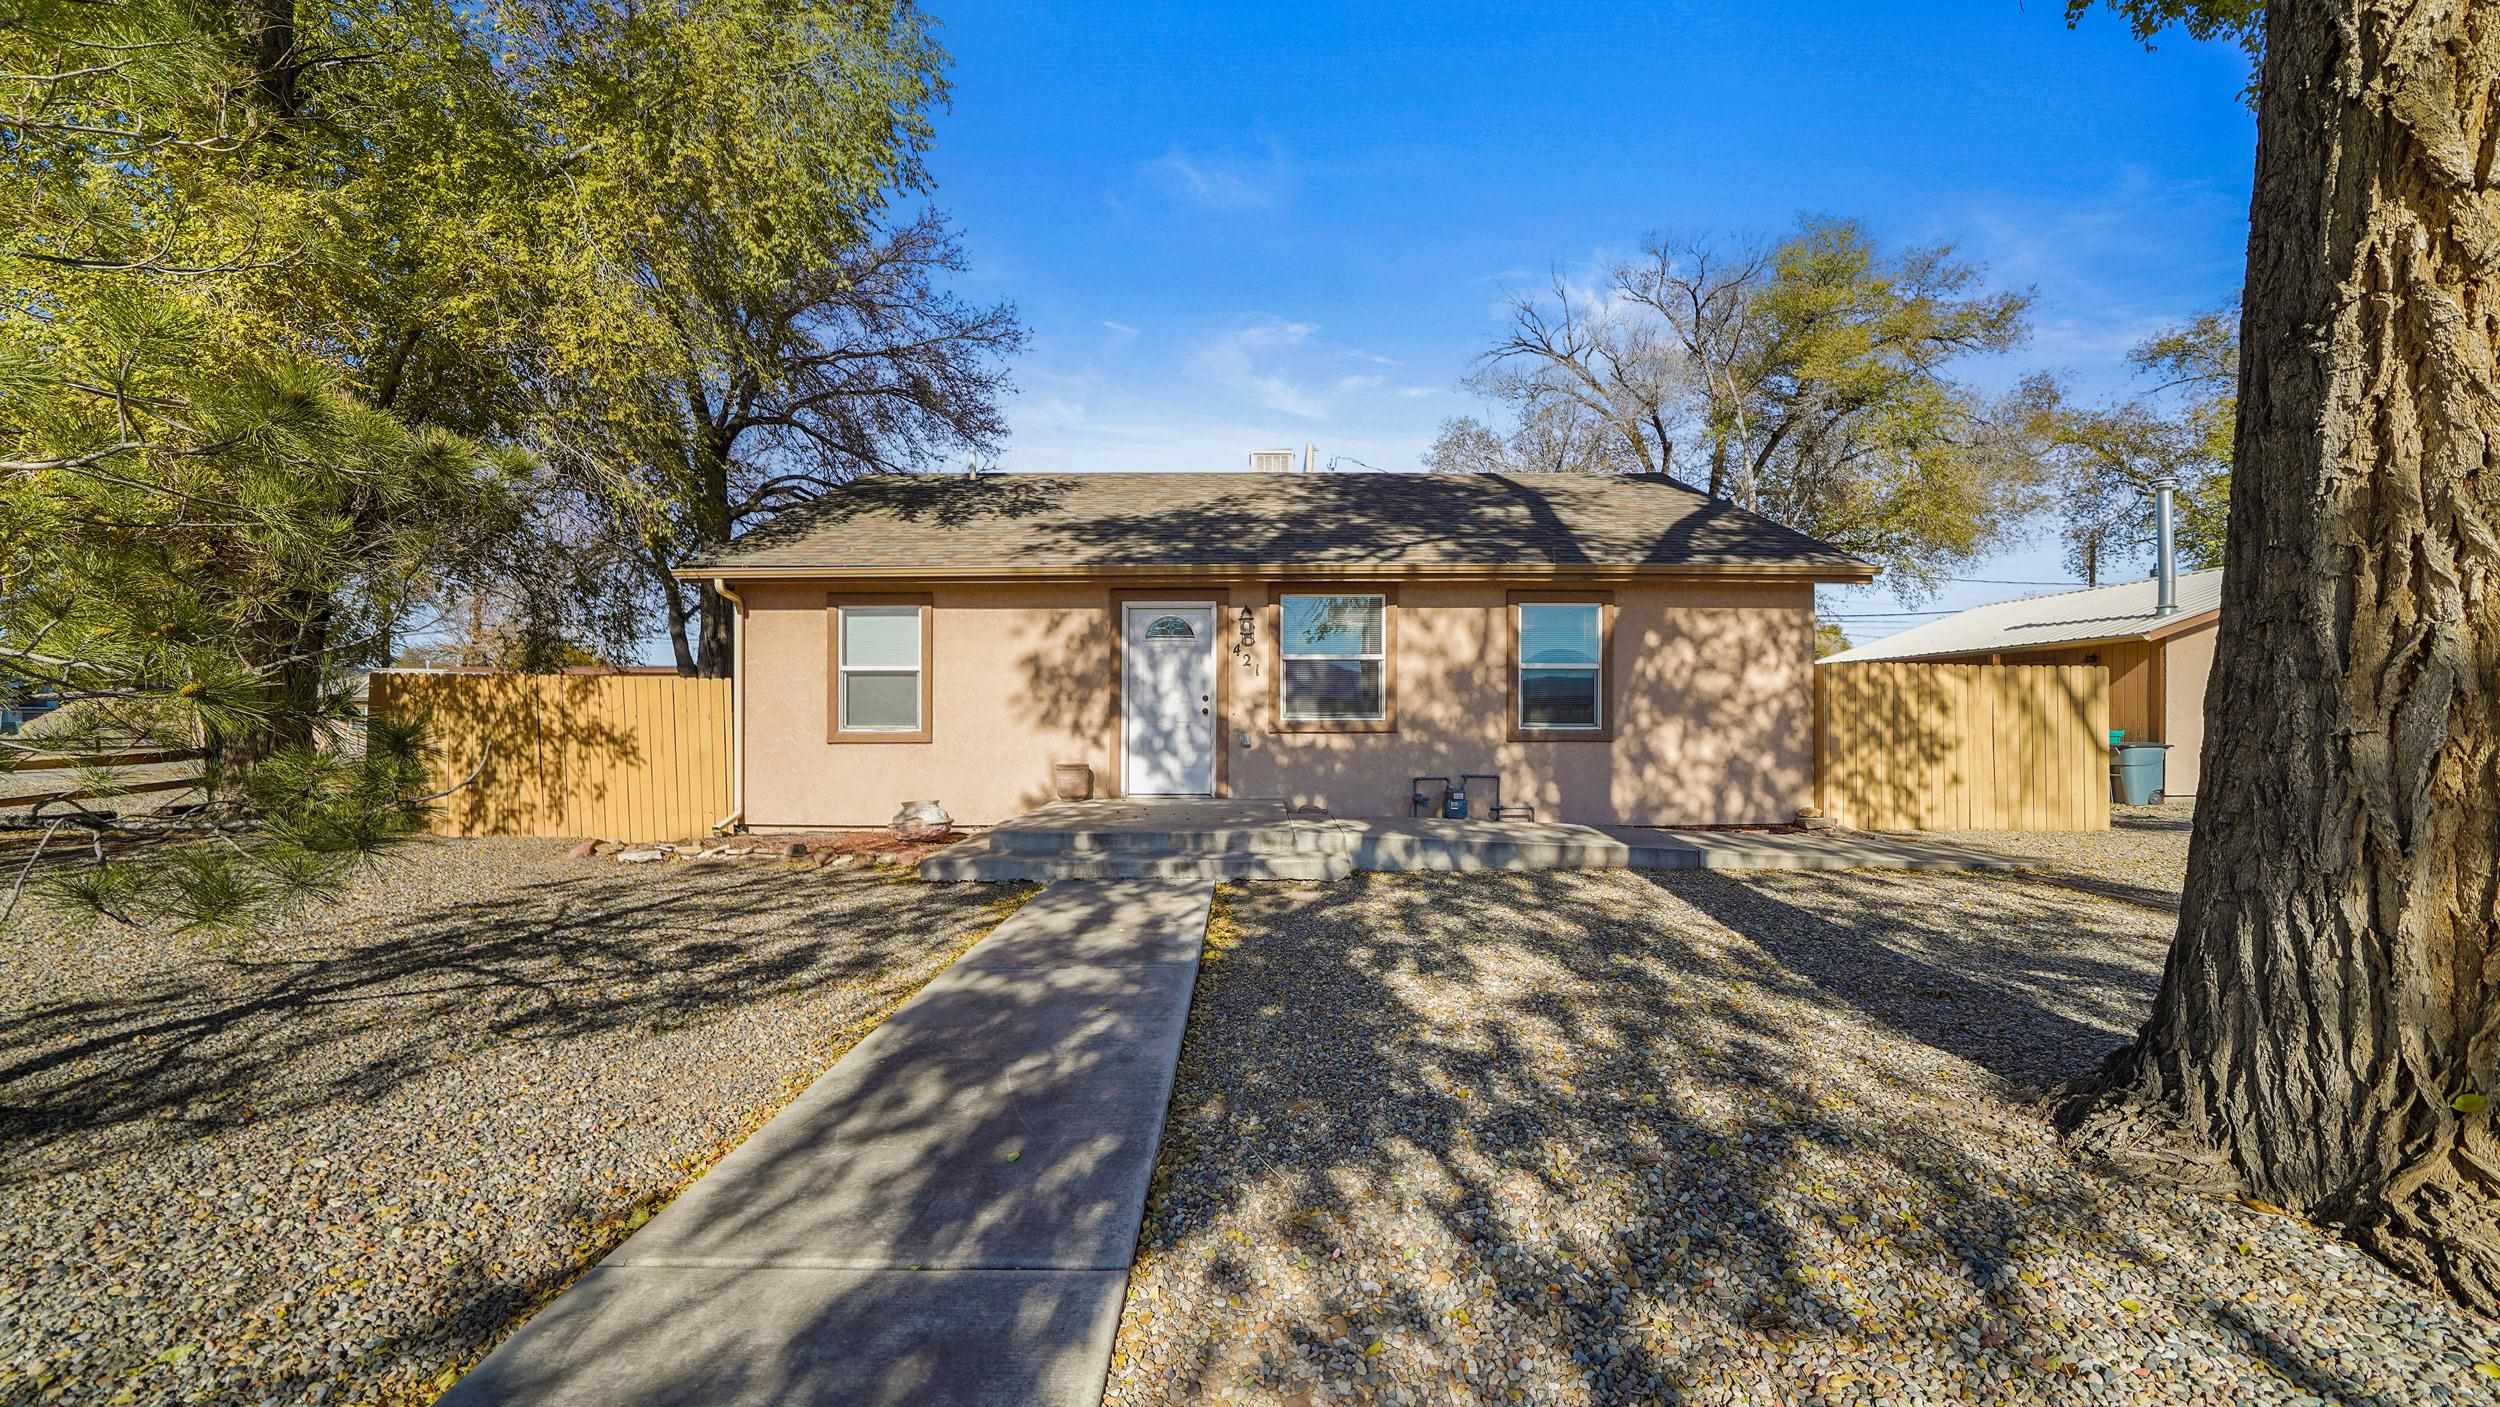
(1301, 571)
(2184, 624)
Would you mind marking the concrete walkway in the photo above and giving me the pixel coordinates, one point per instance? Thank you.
(944, 1218)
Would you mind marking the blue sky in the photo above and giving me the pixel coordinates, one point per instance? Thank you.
(1231, 228)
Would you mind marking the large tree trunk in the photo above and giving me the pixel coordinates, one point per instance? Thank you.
(718, 656)
(2328, 1030)
(268, 30)
(289, 641)
(712, 525)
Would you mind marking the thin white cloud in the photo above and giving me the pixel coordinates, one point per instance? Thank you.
(1225, 182)
(1117, 334)
(1259, 361)
(1261, 381)
(1286, 366)
(2110, 267)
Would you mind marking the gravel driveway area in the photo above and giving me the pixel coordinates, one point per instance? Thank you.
(335, 1163)
(1627, 1138)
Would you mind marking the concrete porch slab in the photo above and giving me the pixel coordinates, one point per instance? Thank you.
(1182, 825)
(757, 1335)
(1262, 840)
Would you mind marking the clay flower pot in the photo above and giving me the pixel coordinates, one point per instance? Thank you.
(1074, 781)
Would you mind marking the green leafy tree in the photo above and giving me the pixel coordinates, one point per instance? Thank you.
(210, 514)
(2196, 366)
(2110, 458)
(734, 318)
(291, 287)
(1813, 377)
(2327, 1033)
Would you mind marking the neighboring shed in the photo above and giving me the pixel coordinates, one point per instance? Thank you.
(2157, 662)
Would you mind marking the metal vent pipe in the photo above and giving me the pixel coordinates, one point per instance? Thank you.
(2165, 544)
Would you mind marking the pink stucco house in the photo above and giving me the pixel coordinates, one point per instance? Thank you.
(1616, 649)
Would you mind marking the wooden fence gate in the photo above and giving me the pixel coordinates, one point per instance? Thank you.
(1946, 747)
(625, 756)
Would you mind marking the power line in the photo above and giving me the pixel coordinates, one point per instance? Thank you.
(1884, 615)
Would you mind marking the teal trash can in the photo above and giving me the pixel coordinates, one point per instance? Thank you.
(2135, 773)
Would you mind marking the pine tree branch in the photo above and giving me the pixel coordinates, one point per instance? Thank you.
(28, 868)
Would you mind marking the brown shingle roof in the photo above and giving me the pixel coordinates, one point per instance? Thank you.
(1016, 523)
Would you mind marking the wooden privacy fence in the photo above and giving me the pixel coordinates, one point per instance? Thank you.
(628, 757)
(1945, 747)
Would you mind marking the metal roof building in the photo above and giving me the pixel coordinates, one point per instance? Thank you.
(2122, 612)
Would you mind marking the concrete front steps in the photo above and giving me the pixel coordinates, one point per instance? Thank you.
(975, 860)
(1239, 840)
(1172, 840)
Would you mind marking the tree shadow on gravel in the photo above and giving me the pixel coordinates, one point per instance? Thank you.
(300, 1092)
(1669, 1137)
(2143, 896)
(223, 1037)
(2029, 1023)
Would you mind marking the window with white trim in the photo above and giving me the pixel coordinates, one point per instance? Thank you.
(1335, 657)
(879, 669)
(1562, 666)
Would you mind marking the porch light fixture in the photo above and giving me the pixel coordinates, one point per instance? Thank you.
(1249, 627)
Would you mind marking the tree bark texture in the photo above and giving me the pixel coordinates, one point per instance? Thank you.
(717, 657)
(713, 522)
(268, 31)
(2329, 1023)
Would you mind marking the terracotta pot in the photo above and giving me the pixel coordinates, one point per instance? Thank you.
(1074, 781)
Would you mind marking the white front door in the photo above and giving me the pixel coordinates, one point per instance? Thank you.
(1167, 699)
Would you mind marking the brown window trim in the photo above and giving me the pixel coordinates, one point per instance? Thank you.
(834, 602)
(1606, 691)
(1387, 722)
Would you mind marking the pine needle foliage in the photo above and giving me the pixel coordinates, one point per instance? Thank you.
(316, 319)
(210, 512)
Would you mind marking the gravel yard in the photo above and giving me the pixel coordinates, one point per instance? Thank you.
(2141, 859)
(1616, 1138)
(333, 1164)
